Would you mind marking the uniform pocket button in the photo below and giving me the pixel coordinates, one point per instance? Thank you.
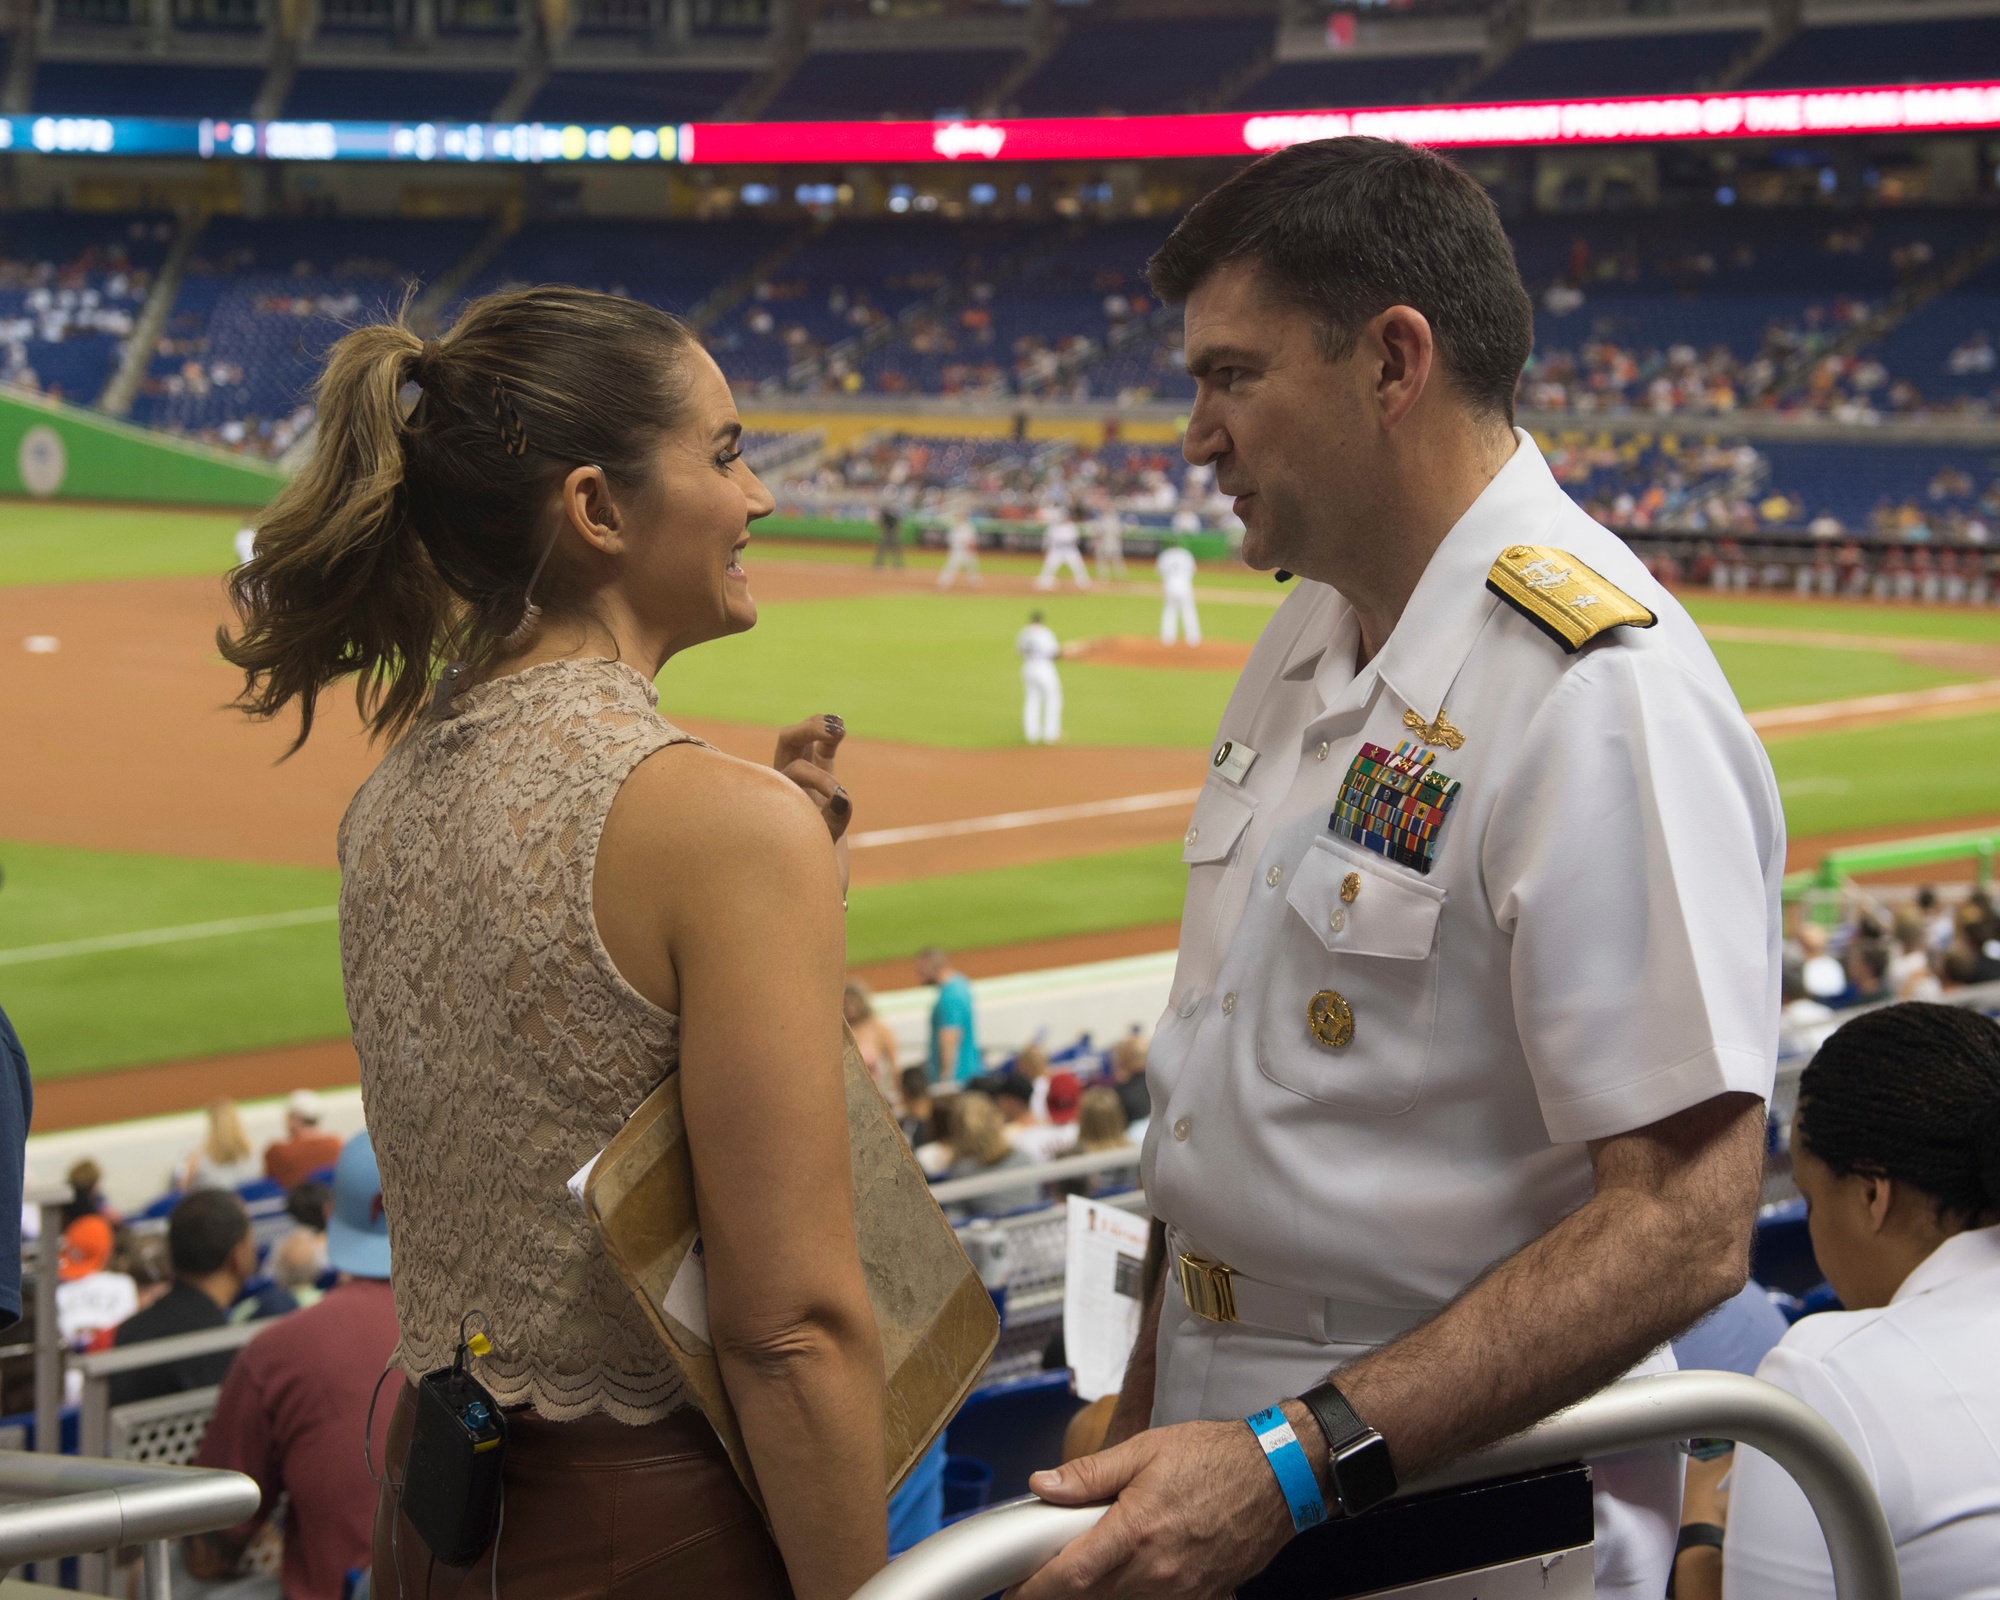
(1193, 834)
(1182, 1129)
(1338, 920)
(1273, 876)
(1229, 1004)
(1321, 753)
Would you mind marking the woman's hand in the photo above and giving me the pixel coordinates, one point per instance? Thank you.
(806, 752)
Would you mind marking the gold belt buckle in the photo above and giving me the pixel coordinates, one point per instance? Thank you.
(1207, 1287)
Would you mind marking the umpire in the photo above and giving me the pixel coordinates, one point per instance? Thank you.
(1458, 1099)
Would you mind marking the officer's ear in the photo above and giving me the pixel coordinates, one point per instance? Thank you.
(1400, 353)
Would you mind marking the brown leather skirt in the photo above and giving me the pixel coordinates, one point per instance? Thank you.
(594, 1510)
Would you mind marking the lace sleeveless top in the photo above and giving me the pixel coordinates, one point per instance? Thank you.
(500, 1048)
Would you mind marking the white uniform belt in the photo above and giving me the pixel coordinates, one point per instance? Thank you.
(1227, 1296)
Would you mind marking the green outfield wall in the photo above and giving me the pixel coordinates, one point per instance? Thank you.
(53, 451)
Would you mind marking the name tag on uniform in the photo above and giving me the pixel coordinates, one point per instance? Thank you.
(1233, 759)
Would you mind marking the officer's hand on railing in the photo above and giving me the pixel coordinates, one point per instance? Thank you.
(1197, 1512)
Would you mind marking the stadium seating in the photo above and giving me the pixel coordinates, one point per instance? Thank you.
(652, 96)
(1354, 81)
(136, 89)
(1930, 51)
(1658, 63)
(906, 83)
(70, 287)
(390, 95)
(261, 303)
(1137, 66)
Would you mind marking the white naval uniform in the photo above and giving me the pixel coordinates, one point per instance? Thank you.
(1041, 688)
(961, 547)
(1914, 1390)
(1062, 542)
(1175, 565)
(1595, 946)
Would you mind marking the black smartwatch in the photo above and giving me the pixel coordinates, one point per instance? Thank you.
(1357, 1456)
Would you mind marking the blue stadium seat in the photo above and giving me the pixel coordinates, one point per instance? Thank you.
(1015, 1427)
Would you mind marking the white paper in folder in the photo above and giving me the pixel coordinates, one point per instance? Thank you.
(1103, 1269)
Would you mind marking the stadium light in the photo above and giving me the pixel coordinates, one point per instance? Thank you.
(1640, 119)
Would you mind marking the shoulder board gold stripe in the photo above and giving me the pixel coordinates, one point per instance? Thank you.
(1563, 597)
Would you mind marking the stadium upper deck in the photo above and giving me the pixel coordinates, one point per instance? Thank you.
(669, 61)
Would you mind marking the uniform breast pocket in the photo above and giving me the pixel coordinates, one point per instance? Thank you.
(1351, 997)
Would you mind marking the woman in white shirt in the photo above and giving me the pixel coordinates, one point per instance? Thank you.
(1896, 1148)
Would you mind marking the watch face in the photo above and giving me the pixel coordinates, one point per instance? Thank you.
(1362, 1474)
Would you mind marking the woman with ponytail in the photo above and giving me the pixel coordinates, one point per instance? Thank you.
(551, 899)
(1896, 1148)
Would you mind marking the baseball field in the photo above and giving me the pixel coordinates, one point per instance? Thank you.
(169, 883)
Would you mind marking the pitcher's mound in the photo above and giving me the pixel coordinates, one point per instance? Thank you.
(1126, 650)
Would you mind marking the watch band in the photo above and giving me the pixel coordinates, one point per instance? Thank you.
(1334, 1415)
(1358, 1464)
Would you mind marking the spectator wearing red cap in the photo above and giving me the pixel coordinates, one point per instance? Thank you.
(295, 1404)
(306, 1146)
(1065, 1093)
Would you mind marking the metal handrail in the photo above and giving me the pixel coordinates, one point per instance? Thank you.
(998, 1182)
(1003, 1546)
(76, 1505)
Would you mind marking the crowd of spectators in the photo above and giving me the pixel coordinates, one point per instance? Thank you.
(1878, 950)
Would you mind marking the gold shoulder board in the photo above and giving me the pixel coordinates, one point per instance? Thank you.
(1561, 596)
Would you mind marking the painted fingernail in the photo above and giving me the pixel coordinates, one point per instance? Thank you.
(834, 726)
(840, 801)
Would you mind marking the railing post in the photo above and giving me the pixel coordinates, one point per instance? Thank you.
(48, 1346)
(157, 1577)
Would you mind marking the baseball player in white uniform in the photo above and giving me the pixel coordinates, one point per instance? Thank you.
(1175, 565)
(1041, 687)
(961, 552)
(1107, 539)
(1062, 542)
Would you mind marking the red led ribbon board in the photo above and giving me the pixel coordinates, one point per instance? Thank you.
(1769, 114)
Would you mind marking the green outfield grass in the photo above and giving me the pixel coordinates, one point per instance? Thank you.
(44, 543)
(941, 669)
(203, 993)
(1905, 773)
(1792, 675)
(191, 996)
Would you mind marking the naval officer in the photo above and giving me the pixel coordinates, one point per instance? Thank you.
(1458, 1098)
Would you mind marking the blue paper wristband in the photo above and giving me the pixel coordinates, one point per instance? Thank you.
(1281, 1447)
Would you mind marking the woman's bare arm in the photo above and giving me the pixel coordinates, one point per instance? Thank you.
(718, 897)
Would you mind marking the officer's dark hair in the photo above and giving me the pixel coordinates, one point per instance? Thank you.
(1911, 1093)
(203, 1229)
(1346, 228)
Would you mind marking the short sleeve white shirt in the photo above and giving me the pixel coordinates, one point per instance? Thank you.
(1594, 946)
(1175, 565)
(1914, 1389)
(1062, 534)
(1037, 646)
(961, 537)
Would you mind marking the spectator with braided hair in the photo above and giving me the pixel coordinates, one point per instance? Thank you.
(1896, 1148)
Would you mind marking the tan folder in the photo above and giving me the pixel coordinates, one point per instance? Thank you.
(937, 1322)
